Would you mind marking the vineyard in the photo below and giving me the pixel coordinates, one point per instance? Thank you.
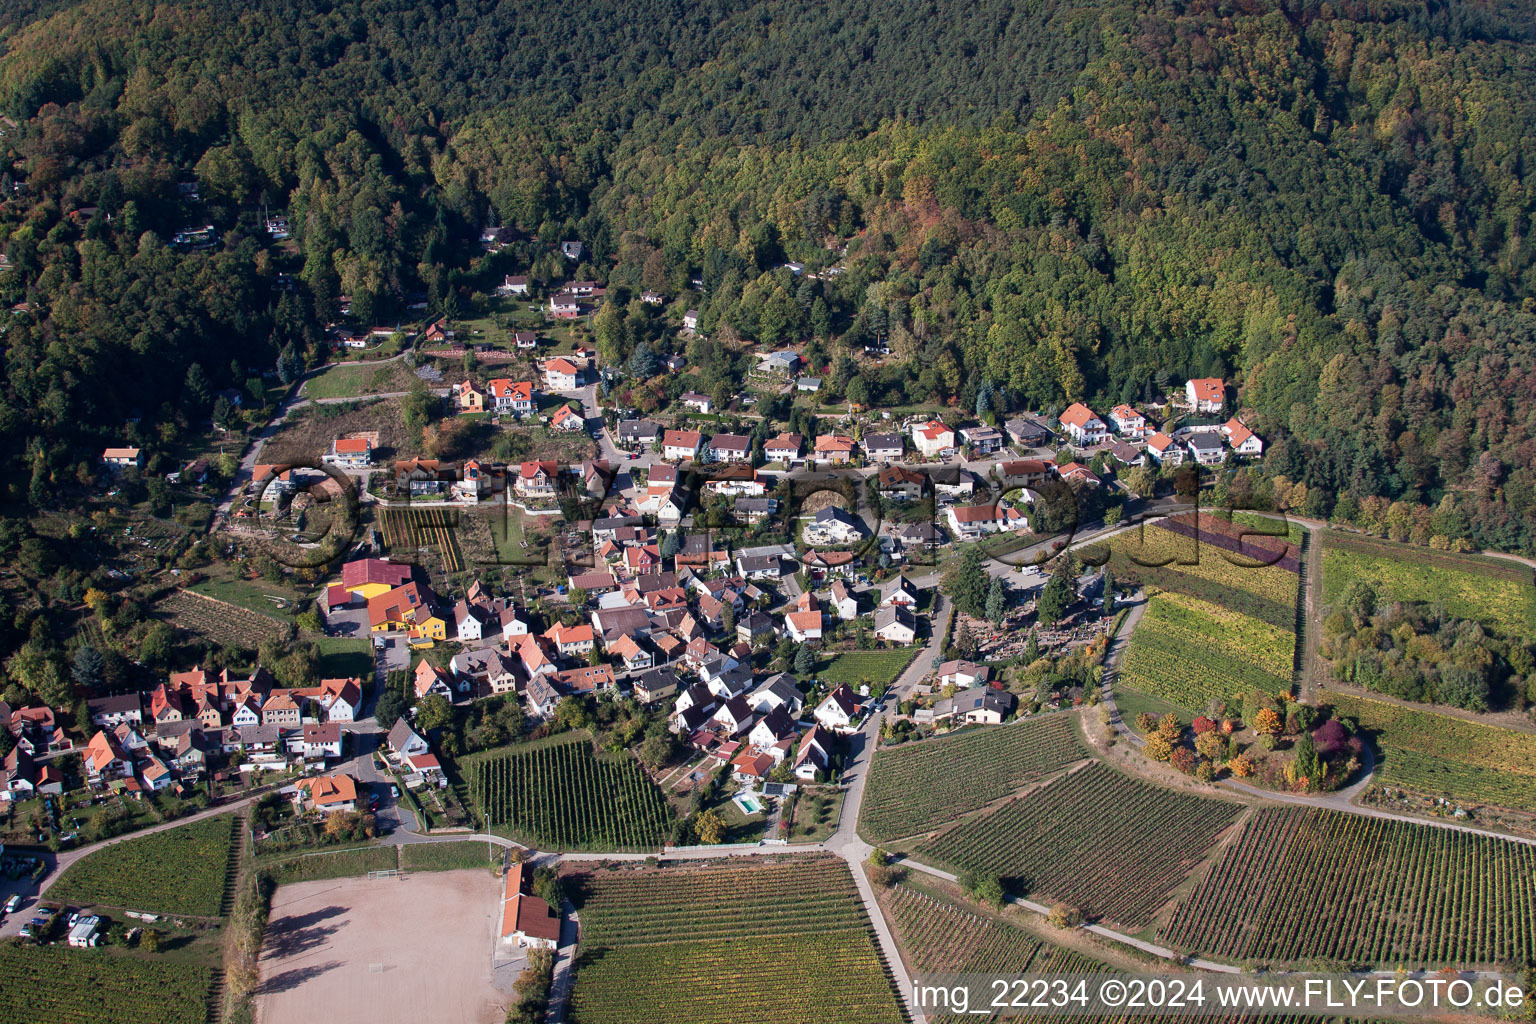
(756, 943)
(411, 529)
(178, 871)
(1190, 651)
(1303, 884)
(59, 985)
(1446, 756)
(942, 938)
(1499, 594)
(224, 623)
(1109, 844)
(562, 796)
(917, 788)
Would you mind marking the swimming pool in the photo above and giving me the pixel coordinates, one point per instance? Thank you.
(748, 803)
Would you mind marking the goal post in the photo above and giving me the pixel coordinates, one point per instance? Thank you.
(387, 873)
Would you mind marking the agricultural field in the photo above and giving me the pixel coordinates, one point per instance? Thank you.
(939, 937)
(749, 942)
(562, 796)
(1302, 884)
(308, 431)
(877, 668)
(1220, 625)
(1205, 559)
(1442, 755)
(1111, 845)
(60, 985)
(916, 788)
(1189, 651)
(180, 870)
(1498, 593)
(219, 621)
(410, 529)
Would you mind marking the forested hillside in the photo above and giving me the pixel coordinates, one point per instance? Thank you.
(1328, 203)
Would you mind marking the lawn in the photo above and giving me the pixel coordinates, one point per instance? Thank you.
(878, 668)
(345, 657)
(333, 864)
(816, 814)
(1498, 593)
(181, 870)
(780, 942)
(60, 985)
(271, 599)
(353, 381)
(448, 856)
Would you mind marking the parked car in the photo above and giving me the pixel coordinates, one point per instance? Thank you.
(13, 904)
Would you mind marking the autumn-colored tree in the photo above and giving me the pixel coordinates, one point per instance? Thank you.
(1184, 760)
(1241, 766)
(1157, 747)
(1146, 722)
(1267, 722)
(709, 827)
(1202, 725)
(1170, 728)
(1211, 744)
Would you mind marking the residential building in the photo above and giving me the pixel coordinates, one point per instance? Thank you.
(1165, 450)
(468, 397)
(655, 685)
(897, 483)
(697, 402)
(730, 448)
(810, 385)
(1078, 471)
(1028, 432)
(1205, 394)
(1243, 441)
(832, 525)
(117, 459)
(513, 396)
(514, 285)
(572, 250)
(963, 674)
(899, 591)
(983, 440)
(404, 740)
(838, 711)
(568, 419)
(637, 435)
(784, 448)
(691, 320)
(1205, 449)
(1024, 472)
(1082, 425)
(971, 521)
(884, 447)
(834, 448)
(844, 601)
(560, 374)
(933, 439)
(527, 922)
(350, 453)
(1128, 422)
(328, 793)
(537, 480)
(895, 625)
(681, 444)
(803, 626)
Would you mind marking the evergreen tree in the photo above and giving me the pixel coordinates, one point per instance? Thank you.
(997, 602)
(805, 661)
(88, 667)
(1059, 593)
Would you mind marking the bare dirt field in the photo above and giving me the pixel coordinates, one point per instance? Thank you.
(361, 951)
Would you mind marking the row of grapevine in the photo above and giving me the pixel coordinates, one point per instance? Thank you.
(914, 789)
(413, 528)
(1306, 884)
(565, 797)
(59, 985)
(765, 942)
(180, 870)
(1112, 845)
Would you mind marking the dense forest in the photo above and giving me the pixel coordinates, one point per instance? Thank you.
(1329, 203)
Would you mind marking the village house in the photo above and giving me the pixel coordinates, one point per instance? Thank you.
(697, 402)
(1205, 394)
(317, 742)
(952, 482)
(754, 510)
(507, 395)
(328, 793)
(844, 601)
(514, 284)
(563, 306)
(1205, 449)
(568, 419)
(971, 521)
(1078, 471)
(834, 448)
(895, 625)
(810, 385)
(654, 685)
(730, 448)
(1165, 450)
(691, 320)
(783, 448)
(884, 447)
(933, 439)
(1128, 422)
(803, 626)
(117, 459)
(1024, 472)
(572, 250)
(428, 680)
(963, 674)
(560, 374)
(1028, 432)
(637, 435)
(983, 440)
(832, 525)
(812, 757)
(573, 641)
(537, 480)
(527, 922)
(839, 710)
(980, 705)
(778, 691)
(897, 483)
(468, 398)
(1082, 425)
(405, 741)
(1127, 454)
(1243, 441)
(899, 591)
(681, 444)
(350, 453)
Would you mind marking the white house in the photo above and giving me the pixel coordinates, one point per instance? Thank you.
(691, 320)
(933, 439)
(697, 402)
(963, 674)
(1205, 394)
(405, 741)
(507, 395)
(970, 521)
(803, 626)
(1205, 449)
(785, 447)
(467, 621)
(560, 374)
(832, 525)
(1128, 422)
(1243, 441)
(681, 444)
(899, 591)
(838, 711)
(1165, 450)
(1083, 425)
(844, 602)
(730, 448)
(895, 625)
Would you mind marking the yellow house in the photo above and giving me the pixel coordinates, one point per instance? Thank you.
(367, 578)
(397, 609)
(432, 627)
